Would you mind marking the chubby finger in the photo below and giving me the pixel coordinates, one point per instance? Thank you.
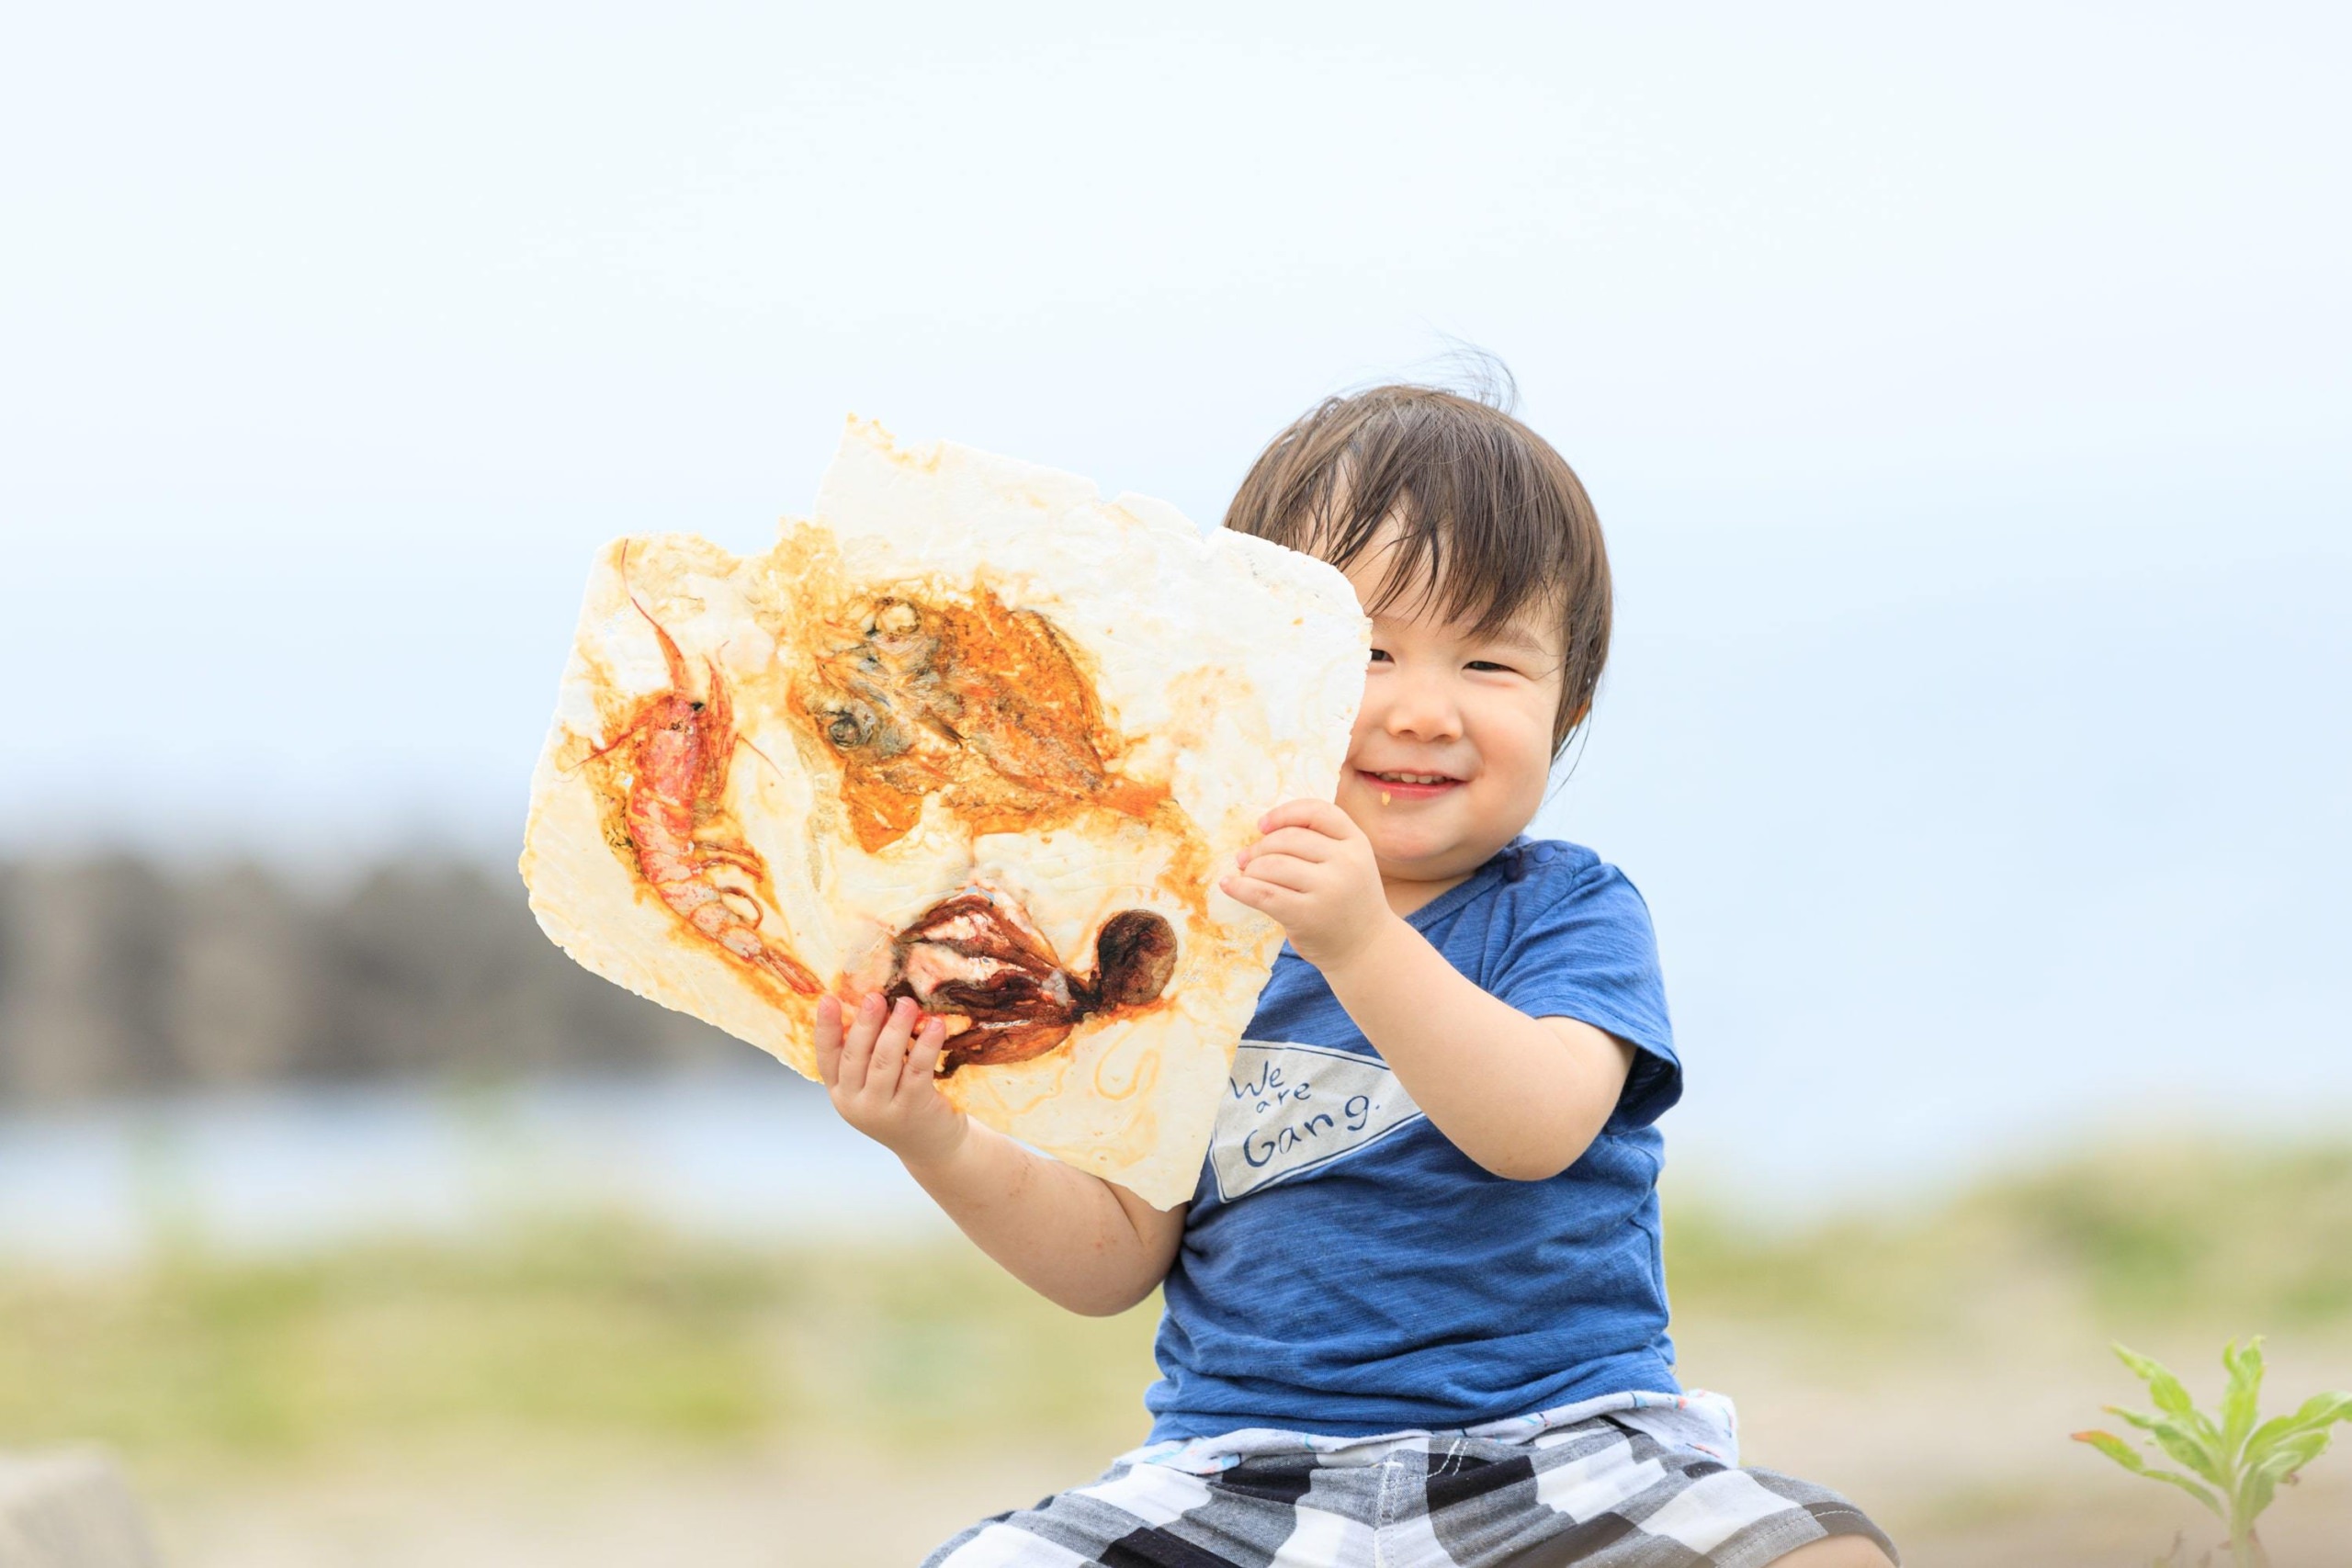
(923, 1062)
(829, 1039)
(1286, 871)
(1266, 897)
(1319, 816)
(1304, 843)
(857, 1047)
(890, 1047)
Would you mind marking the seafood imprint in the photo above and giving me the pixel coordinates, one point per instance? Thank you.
(970, 734)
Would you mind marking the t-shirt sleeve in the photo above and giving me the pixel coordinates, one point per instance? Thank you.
(1585, 951)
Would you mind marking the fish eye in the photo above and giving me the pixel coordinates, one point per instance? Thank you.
(896, 617)
(846, 727)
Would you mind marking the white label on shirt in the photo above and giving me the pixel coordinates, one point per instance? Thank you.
(1293, 1108)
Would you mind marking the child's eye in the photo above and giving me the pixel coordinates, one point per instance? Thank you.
(1378, 654)
(1489, 664)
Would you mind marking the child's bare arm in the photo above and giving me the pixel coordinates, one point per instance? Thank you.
(1079, 1241)
(1523, 1097)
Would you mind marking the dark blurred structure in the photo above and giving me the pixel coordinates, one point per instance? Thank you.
(116, 975)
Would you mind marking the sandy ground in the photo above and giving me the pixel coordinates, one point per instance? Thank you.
(1966, 1470)
(800, 1510)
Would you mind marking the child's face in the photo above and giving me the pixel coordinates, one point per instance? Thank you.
(1475, 712)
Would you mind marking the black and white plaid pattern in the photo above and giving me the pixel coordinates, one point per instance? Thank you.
(1600, 1492)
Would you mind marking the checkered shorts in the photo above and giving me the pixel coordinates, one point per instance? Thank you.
(1635, 1485)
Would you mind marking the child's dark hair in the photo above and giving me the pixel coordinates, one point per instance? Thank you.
(1490, 520)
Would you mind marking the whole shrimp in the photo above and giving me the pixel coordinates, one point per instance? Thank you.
(680, 751)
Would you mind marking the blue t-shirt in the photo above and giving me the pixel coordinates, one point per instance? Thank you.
(1346, 1269)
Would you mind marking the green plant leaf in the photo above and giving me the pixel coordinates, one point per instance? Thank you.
(2202, 1494)
(2317, 1413)
(2129, 1458)
(2241, 1399)
(2293, 1453)
(2189, 1446)
(2192, 1449)
(2162, 1387)
(2174, 1400)
(2115, 1448)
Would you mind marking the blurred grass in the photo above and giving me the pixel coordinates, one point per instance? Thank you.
(2155, 1235)
(578, 1325)
(599, 1326)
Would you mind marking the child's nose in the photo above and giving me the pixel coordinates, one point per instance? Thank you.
(1421, 707)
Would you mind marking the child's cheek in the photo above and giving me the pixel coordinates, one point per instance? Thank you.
(1357, 807)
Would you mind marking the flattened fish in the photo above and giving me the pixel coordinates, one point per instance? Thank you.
(977, 704)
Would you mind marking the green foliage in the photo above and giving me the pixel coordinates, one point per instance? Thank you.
(2162, 1231)
(2238, 1466)
(583, 1328)
(2155, 1236)
(557, 1324)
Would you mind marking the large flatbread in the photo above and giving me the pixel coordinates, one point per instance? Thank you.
(971, 734)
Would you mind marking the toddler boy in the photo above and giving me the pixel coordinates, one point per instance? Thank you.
(1415, 1311)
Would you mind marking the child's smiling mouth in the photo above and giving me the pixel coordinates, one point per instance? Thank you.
(1408, 785)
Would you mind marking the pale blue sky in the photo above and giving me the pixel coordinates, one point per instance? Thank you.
(1965, 397)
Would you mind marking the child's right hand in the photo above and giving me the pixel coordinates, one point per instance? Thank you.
(878, 1074)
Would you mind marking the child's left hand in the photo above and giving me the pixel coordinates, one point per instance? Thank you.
(1314, 871)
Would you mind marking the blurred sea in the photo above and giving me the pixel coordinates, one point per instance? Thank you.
(749, 1153)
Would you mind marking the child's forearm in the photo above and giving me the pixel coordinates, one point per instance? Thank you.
(1076, 1239)
(1523, 1097)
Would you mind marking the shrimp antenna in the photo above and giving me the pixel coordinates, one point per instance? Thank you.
(671, 657)
(748, 744)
